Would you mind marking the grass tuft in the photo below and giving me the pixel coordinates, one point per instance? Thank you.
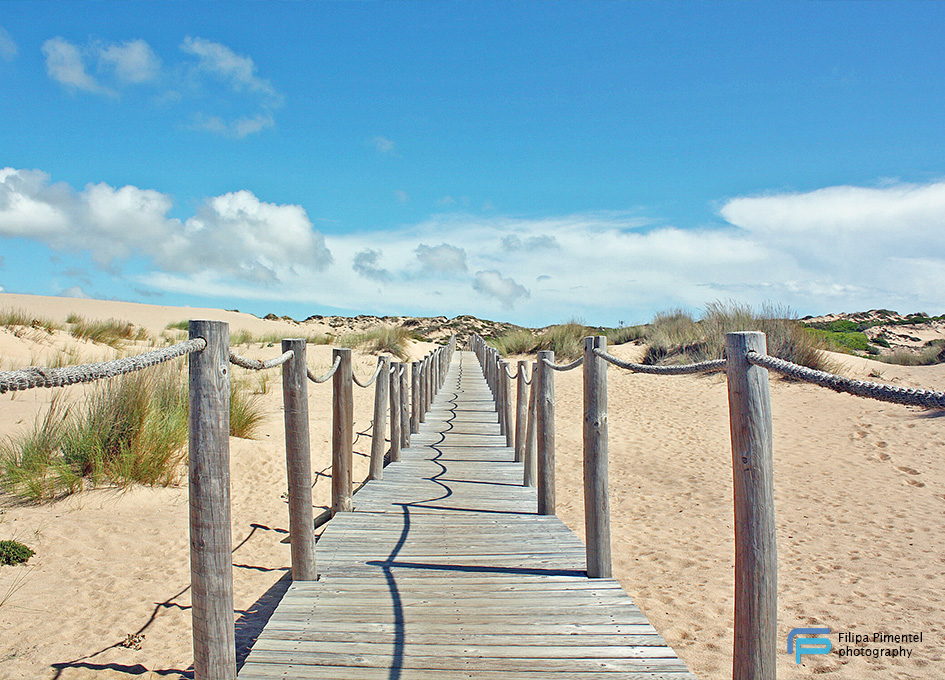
(128, 430)
(391, 339)
(110, 332)
(16, 319)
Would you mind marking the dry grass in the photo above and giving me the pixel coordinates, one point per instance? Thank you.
(110, 332)
(391, 339)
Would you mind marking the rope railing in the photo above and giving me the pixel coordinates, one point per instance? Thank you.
(256, 364)
(369, 381)
(324, 378)
(746, 367)
(35, 376)
(563, 367)
(680, 369)
(859, 388)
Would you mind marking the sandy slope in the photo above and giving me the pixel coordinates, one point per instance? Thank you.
(859, 488)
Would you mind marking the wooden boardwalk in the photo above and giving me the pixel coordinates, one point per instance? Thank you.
(444, 571)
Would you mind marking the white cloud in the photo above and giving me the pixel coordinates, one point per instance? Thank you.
(75, 292)
(383, 145)
(442, 258)
(236, 70)
(234, 235)
(8, 49)
(236, 129)
(65, 64)
(366, 263)
(133, 61)
(493, 284)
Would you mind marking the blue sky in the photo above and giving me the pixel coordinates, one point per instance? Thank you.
(531, 162)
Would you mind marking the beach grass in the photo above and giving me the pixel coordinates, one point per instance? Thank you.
(677, 337)
(932, 353)
(110, 332)
(128, 430)
(15, 319)
(391, 339)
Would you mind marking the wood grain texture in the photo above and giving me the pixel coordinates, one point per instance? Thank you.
(378, 436)
(211, 569)
(342, 431)
(298, 459)
(545, 432)
(444, 571)
(521, 411)
(756, 554)
(596, 489)
(396, 440)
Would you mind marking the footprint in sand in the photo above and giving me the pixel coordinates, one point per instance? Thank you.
(908, 470)
(883, 456)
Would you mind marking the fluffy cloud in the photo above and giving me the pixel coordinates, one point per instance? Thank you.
(75, 292)
(443, 258)
(366, 263)
(8, 49)
(133, 61)
(236, 70)
(493, 284)
(513, 242)
(231, 236)
(66, 65)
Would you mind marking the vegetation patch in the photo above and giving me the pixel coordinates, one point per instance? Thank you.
(14, 552)
(391, 339)
(128, 430)
(110, 332)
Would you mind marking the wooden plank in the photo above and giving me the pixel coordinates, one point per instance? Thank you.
(444, 570)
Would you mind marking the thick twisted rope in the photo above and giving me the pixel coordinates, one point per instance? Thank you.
(26, 378)
(682, 369)
(377, 372)
(331, 372)
(563, 367)
(256, 365)
(860, 388)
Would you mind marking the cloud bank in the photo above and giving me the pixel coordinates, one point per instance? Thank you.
(837, 248)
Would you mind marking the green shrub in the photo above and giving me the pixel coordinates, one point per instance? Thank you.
(516, 341)
(841, 341)
(14, 552)
(128, 430)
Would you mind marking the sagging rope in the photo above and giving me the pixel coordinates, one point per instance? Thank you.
(563, 367)
(377, 372)
(26, 378)
(682, 369)
(331, 372)
(509, 373)
(256, 365)
(860, 388)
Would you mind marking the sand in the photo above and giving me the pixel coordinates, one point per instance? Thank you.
(859, 490)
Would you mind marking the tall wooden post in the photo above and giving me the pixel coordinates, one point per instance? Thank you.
(521, 412)
(531, 433)
(396, 440)
(211, 561)
(507, 406)
(342, 432)
(596, 490)
(404, 406)
(423, 390)
(415, 396)
(298, 459)
(500, 396)
(756, 558)
(381, 390)
(545, 410)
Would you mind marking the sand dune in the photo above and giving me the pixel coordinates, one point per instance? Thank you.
(859, 488)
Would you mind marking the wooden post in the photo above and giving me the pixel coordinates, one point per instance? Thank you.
(428, 392)
(415, 396)
(545, 410)
(381, 389)
(342, 432)
(531, 432)
(396, 440)
(521, 409)
(423, 390)
(499, 394)
(404, 406)
(298, 461)
(211, 561)
(596, 490)
(756, 559)
(507, 405)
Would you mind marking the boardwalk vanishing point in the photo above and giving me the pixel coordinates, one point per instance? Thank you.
(445, 571)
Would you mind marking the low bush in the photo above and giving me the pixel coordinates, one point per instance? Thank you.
(128, 430)
(932, 354)
(14, 552)
(391, 339)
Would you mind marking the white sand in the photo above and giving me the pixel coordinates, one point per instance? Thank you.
(859, 487)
